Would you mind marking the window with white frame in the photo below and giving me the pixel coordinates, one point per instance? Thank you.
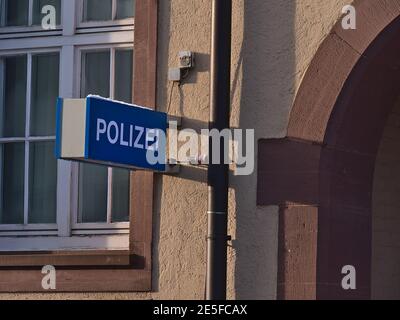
(29, 169)
(111, 12)
(113, 79)
(47, 204)
(26, 13)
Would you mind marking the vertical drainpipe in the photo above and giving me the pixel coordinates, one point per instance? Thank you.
(218, 174)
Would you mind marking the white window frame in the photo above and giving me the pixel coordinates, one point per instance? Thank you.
(27, 139)
(70, 42)
(79, 51)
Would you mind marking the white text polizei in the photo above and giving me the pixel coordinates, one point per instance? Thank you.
(127, 135)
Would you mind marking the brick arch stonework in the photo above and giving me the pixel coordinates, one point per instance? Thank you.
(321, 174)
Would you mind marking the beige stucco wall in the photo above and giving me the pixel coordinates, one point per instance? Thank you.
(273, 43)
(386, 213)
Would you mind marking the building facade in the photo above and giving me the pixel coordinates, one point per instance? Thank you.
(323, 101)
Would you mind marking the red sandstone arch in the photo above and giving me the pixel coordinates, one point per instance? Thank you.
(321, 175)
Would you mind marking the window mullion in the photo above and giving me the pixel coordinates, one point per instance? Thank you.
(26, 184)
(69, 22)
(114, 10)
(109, 195)
(41, 139)
(27, 134)
(65, 184)
(1, 174)
(2, 90)
(110, 171)
(112, 72)
(78, 89)
(2, 75)
(30, 13)
(28, 95)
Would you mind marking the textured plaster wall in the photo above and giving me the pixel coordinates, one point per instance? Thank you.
(273, 43)
(386, 217)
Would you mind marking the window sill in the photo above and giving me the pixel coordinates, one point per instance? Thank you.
(36, 242)
(84, 271)
(63, 258)
(75, 281)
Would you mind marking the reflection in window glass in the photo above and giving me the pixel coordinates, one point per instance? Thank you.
(45, 79)
(123, 75)
(120, 195)
(16, 12)
(12, 162)
(96, 73)
(37, 14)
(93, 183)
(42, 183)
(97, 10)
(13, 97)
(125, 9)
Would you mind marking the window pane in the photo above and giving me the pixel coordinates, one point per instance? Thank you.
(97, 10)
(92, 193)
(42, 183)
(120, 195)
(96, 73)
(123, 75)
(13, 97)
(37, 10)
(125, 9)
(121, 177)
(93, 180)
(16, 12)
(12, 162)
(45, 77)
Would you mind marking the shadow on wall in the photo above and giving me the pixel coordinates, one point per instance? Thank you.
(385, 281)
(179, 229)
(267, 64)
(162, 69)
(262, 93)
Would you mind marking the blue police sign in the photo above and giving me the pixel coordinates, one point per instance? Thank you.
(102, 131)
